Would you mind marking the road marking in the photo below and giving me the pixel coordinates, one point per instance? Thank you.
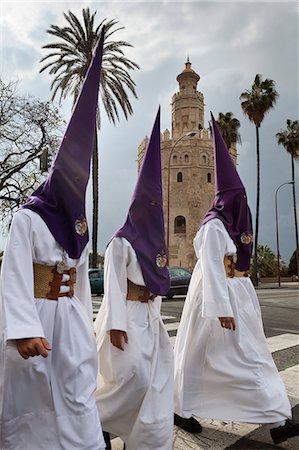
(282, 341)
(171, 326)
(275, 343)
(168, 317)
(290, 378)
(284, 329)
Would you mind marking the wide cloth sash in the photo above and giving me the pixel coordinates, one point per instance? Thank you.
(48, 281)
(138, 293)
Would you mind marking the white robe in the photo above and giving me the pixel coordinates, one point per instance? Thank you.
(135, 386)
(224, 374)
(47, 403)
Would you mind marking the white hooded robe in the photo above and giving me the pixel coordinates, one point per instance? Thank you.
(47, 403)
(135, 386)
(219, 373)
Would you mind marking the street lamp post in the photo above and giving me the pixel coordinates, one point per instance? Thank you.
(277, 234)
(189, 134)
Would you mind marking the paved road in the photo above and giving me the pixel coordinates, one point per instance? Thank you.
(280, 309)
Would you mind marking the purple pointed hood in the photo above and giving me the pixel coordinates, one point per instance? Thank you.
(144, 227)
(60, 200)
(230, 202)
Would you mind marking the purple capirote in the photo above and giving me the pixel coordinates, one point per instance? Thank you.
(60, 200)
(230, 202)
(144, 227)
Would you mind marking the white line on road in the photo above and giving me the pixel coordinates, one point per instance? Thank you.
(282, 342)
(172, 326)
(275, 343)
(290, 377)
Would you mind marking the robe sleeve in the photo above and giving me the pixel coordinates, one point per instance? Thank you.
(82, 286)
(115, 282)
(215, 296)
(17, 290)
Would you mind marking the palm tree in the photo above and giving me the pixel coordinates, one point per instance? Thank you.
(255, 103)
(289, 138)
(68, 62)
(229, 127)
(267, 261)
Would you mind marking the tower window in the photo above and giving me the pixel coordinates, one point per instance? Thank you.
(209, 178)
(174, 159)
(204, 159)
(180, 225)
(186, 158)
(179, 177)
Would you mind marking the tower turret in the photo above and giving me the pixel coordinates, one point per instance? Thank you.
(187, 104)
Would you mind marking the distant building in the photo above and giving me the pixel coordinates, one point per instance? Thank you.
(191, 169)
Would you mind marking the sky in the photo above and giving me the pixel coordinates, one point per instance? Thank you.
(228, 43)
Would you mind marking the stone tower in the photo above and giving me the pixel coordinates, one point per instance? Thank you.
(187, 169)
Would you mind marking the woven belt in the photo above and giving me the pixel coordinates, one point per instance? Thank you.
(47, 282)
(230, 270)
(138, 293)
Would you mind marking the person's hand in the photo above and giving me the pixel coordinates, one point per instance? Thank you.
(33, 347)
(117, 339)
(227, 322)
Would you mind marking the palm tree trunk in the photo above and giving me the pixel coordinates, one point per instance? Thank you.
(295, 215)
(95, 199)
(255, 266)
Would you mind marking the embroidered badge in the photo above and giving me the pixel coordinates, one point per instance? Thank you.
(81, 226)
(246, 238)
(161, 260)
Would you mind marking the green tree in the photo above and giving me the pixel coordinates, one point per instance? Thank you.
(267, 261)
(229, 127)
(68, 62)
(289, 138)
(255, 103)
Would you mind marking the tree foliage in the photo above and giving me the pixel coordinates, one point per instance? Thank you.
(229, 127)
(71, 54)
(267, 261)
(29, 128)
(255, 103)
(258, 100)
(68, 60)
(289, 138)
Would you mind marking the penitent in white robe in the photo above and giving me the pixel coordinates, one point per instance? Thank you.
(46, 403)
(135, 386)
(224, 374)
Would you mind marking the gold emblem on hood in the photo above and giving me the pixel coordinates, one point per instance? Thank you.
(246, 238)
(161, 260)
(81, 226)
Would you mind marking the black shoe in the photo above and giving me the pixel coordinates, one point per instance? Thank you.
(106, 437)
(191, 425)
(284, 432)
